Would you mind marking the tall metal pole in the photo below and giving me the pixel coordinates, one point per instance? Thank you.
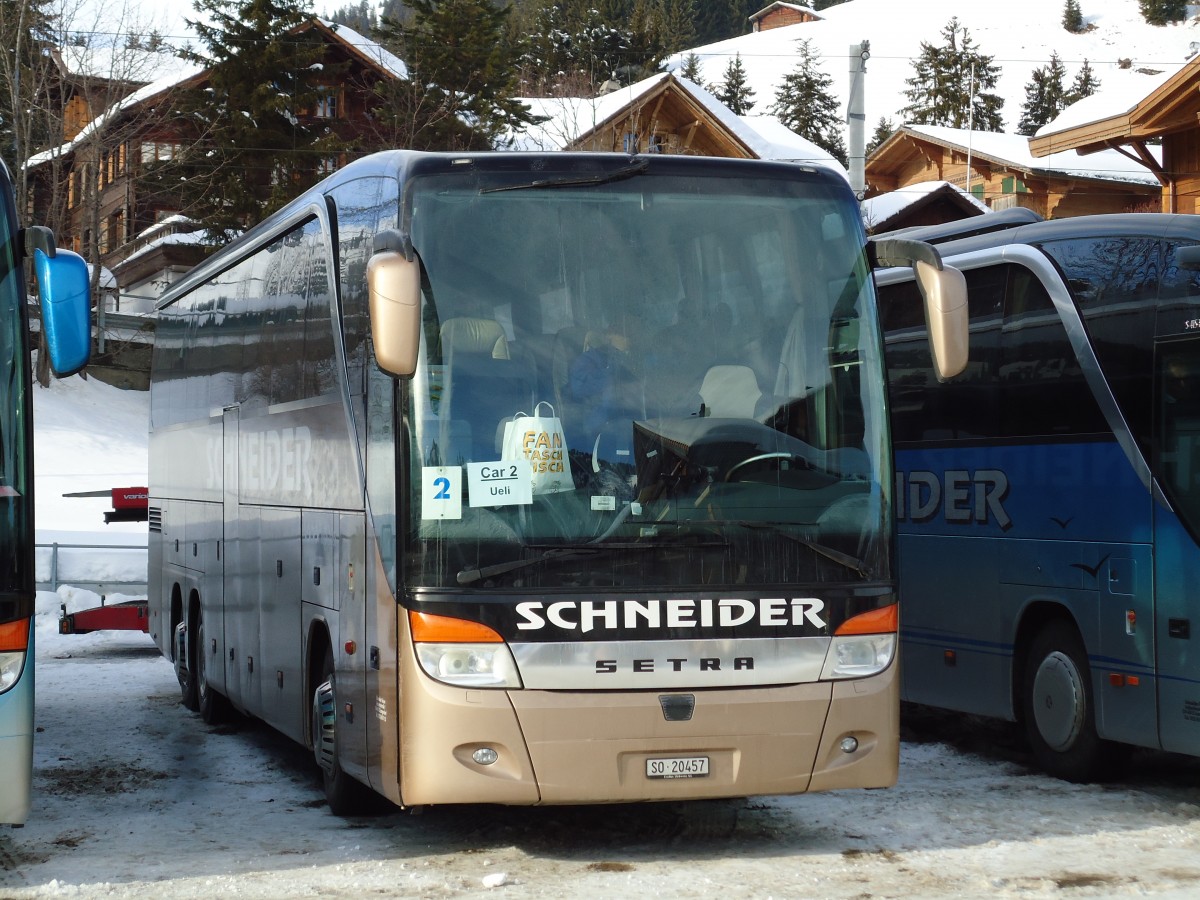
(970, 124)
(856, 117)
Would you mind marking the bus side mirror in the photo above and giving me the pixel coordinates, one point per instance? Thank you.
(945, 293)
(394, 292)
(944, 290)
(63, 292)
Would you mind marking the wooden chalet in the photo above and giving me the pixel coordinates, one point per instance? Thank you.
(662, 114)
(1167, 109)
(998, 170)
(780, 15)
(924, 203)
(110, 213)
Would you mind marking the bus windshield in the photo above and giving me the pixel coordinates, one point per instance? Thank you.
(681, 374)
(14, 496)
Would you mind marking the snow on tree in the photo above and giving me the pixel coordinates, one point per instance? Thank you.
(805, 103)
(952, 81)
(734, 90)
(462, 85)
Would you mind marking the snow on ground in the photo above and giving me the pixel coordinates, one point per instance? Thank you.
(134, 797)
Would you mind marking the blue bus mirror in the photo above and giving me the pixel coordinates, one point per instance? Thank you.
(63, 293)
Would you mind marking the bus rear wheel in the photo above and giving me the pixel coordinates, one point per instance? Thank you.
(1059, 708)
(346, 797)
(211, 703)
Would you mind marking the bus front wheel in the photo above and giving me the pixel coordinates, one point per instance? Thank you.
(1059, 708)
(346, 797)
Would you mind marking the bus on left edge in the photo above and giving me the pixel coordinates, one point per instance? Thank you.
(62, 281)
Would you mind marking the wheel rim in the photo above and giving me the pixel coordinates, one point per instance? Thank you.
(1058, 701)
(325, 726)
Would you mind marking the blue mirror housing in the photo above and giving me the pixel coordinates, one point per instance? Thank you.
(63, 289)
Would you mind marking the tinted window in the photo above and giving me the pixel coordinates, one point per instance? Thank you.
(1177, 462)
(1043, 391)
(1115, 284)
(966, 406)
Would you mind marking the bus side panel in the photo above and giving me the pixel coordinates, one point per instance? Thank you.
(956, 637)
(1177, 631)
(280, 669)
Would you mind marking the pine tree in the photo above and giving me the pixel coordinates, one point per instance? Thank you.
(805, 103)
(691, 69)
(733, 90)
(940, 89)
(1085, 84)
(462, 77)
(1045, 96)
(253, 148)
(1163, 12)
(825, 4)
(572, 49)
(1072, 19)
(883, 131)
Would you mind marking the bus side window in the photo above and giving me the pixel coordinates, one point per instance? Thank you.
(1043, 391)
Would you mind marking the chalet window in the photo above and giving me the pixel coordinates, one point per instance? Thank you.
(326, 166)
(327, 103)
(155, 151)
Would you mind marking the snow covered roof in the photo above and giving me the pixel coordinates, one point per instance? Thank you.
(375, 53)
(147, 92)
(371, 52)
(878, 211)
(568, 119)
(1012, 150)
(771, 7)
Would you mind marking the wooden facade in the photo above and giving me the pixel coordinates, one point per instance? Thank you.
(666, 118)
(780, 15)
(916, 154)
(108, 204)
(1170, 112)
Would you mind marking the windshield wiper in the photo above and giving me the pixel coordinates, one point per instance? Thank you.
(470, 576)
(853, 563)
(635, 168)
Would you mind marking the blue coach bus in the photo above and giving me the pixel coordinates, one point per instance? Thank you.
(1048, 498)
(63, 285)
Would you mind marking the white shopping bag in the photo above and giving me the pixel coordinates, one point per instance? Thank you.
(539, 440)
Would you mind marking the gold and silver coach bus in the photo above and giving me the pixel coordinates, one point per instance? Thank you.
(540, 478)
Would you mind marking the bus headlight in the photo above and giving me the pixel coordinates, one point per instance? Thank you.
(462, 652)
(11, 664)
(858, 656)
(469, 665)
(863, 645)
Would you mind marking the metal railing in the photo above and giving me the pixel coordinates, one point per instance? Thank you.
(75, 564)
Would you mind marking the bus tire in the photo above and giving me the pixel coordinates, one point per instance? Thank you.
(211, 703)
(185, 666)
(1059, 708)
(346, 797)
